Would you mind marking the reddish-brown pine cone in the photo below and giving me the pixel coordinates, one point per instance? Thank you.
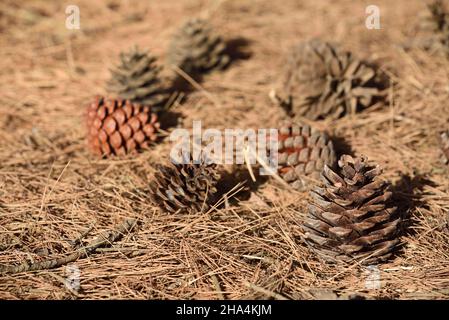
(117, 127)
(302, 153)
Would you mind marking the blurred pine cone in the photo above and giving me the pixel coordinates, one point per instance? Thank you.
(438, 23)
(324, 82)
(302, 152)
(187, 187)
(118, 127)
(351, 216)
(445, 147)
(137, 79)
(196, 49)
(439, 16)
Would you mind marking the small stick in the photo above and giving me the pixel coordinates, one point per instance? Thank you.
(218, 287)
(266, 292)
(129, 252)
(248, 164)
(106, 238)
(274, 97)
(196, 85)
(77, 241)
(235, 190)
(270, 170)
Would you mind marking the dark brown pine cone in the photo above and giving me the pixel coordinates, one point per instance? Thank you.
(117, 127)
(189, 188)
(351, 216)
(137, 79)
(322, 81)
(196, 49)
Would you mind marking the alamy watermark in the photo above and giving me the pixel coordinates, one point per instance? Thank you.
(72, 20)
(72, 280)
(228, 146)
(372, 21)
(372, 280)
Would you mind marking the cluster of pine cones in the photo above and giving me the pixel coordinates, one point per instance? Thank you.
(129, 119)
(351, 215)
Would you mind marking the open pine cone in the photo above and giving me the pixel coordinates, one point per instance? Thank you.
(187, 187)
(351, 216)
(435, 27)
(137, 79)
(196, 49)
(302, 153)
(323, 82)
(439, 17)
(445, 147)
(438, 24)
(117, 127)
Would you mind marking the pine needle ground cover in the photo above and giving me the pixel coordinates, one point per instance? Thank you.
(55, 197)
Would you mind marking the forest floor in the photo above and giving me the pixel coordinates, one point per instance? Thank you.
(52, 191)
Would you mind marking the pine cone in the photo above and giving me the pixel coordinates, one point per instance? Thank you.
(196, 49)
(351, 216)
(137, 79)
(439, 17)
(438, 23)
(188, 187)
(445, 147)
(324, 82)
(302, 152)
(118, 127)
